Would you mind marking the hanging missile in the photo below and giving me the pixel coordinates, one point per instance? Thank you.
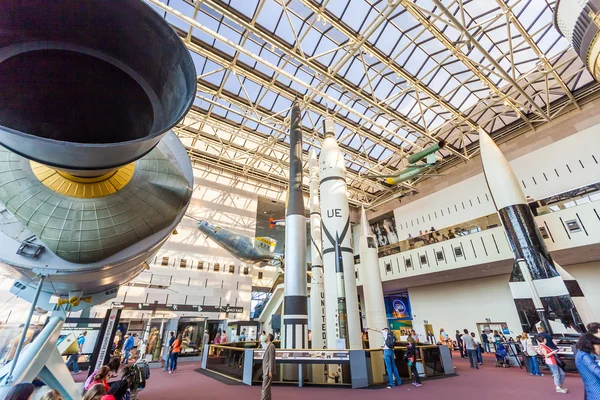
(337, 239)
(370, 276)
(295, 305)
(317, 288)
(409, 173)
(528, 247)
(252, 250)
(416, 157)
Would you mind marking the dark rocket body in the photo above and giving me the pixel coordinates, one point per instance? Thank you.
(295, 300)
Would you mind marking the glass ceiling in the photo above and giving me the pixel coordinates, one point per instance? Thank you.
(396, 76)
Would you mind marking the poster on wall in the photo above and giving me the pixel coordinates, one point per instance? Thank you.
(385, 231)
(397, 306)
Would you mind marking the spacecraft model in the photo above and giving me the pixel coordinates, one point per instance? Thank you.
(92, 180)
(258, 251)
(577, 21)
(414, 167)
(535, 282)
(341, 299)
(295, 291)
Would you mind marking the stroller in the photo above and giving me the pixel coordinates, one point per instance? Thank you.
(501, 356)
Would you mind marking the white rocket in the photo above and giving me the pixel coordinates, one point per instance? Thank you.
(538, 289)
(338, 256)
(317, 287)
(370, 276)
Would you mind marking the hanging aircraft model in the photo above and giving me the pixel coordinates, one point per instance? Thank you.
(414, 165)
(259, 251)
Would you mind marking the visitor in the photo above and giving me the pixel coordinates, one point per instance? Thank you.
(117, 391)
(74, 358)
(95, 393)
(549, 340)
(389, 341)
(459, 344)
(113, 367)
(217, 339)
(175, 350)
(445, 339)
(263, 340)
(478, 349)
(469, 346)
(588, 345)
(414, 336)
(594, 328)
(205, 338)
(128, 346)
(277, 335)
(451, 234)
(242, 337)
(485, 342)
(223, 337)
(21, 391)
(530, 354)
(550, 355)
(309, 335)
(101, 377)
(410, 355)
(430, 337)
(268, 367)
(169, 344)
(51, 395)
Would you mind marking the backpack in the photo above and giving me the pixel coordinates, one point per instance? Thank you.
(390, 340)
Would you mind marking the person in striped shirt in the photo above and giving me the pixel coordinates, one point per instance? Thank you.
(550, 355)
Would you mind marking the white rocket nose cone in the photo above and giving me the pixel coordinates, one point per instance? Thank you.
(503, 184)
(312, 158)
(364, 223)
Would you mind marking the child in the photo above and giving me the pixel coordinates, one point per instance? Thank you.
(411, 358)
(557, 373)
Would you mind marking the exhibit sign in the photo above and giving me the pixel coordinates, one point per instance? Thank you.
(305, 355)
(397, 306)
(180, 307)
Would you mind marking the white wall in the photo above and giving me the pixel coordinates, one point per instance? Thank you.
(459, 305)
(559, 167)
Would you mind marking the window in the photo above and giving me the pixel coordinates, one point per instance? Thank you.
(408, 263)
(245, 270)
(200, 265)
(260, 275)
(423, 259)
(458, 252)
(182, 263)
(544, 232)
(232, 269)
(165, 261)
(573, 225)
(216, 267)
(388, 267)
(439, 255)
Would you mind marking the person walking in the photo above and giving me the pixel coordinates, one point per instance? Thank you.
(268, 368)
(478, 349)
(169, 344)
(175, 350)
(588, 345)
(459, 343)
(410, 355)
(485, 341)
(389, 342)
(530, 354)
(128, 346)
(74, 358)
(550, 355)
(469, 345)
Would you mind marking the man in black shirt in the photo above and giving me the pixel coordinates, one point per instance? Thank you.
(486, 343)
(459, 343)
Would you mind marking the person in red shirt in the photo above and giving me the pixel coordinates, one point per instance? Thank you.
(550, 355)
(175, 350)
(102, 376)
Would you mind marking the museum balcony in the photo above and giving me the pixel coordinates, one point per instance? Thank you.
(570, 226)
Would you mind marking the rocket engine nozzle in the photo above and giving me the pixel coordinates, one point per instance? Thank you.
(88, 87)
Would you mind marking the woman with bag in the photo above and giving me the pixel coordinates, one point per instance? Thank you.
(175, 349)
(552, 362)
(530, 354)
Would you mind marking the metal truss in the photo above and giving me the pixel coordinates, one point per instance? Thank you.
(397, 76)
